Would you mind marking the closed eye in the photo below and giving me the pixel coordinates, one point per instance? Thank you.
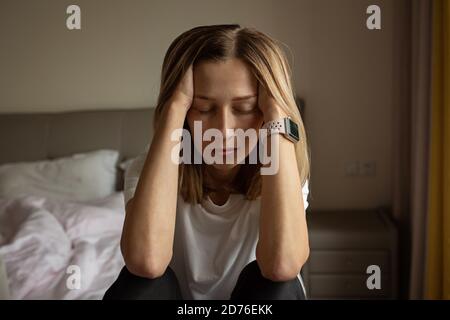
(202, 109)
(245, 108)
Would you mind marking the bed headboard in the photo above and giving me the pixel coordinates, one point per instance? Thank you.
(39, 136)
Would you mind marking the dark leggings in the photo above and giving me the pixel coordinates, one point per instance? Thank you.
(251, 285)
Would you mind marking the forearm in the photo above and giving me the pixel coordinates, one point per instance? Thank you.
(283, 238)
(148, 232)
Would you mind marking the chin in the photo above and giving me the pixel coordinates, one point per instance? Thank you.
(225, 167)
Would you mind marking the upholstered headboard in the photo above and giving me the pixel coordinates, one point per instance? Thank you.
(39, 136)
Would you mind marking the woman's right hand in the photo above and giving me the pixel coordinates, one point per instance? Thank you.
(183, 95)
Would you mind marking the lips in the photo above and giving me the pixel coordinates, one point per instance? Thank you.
(226, 151)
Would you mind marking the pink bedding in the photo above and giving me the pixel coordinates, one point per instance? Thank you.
(45, 244)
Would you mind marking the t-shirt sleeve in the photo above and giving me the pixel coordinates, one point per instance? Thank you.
(305, 192)
(132, 174)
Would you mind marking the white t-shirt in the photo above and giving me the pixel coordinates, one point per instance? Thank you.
(212, 243)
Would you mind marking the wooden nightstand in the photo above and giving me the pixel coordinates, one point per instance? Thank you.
(343, 244)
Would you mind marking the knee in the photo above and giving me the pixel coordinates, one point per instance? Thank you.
(253, 271)
(251, 284)
(133, 287)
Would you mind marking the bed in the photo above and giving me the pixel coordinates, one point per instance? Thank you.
(61, 199)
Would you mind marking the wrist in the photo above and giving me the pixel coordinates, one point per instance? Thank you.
(180, 101)
(285, 126)
(174, 114)
(176, 107)
(273, 113)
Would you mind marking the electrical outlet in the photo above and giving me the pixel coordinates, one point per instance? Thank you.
(368, 168)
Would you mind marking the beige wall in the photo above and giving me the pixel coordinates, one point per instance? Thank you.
(342, 70)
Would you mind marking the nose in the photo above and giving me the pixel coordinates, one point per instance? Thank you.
(225, 120)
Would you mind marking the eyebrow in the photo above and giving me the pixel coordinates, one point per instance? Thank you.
(234, 99)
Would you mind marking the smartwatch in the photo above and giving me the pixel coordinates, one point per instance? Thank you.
(285, 126)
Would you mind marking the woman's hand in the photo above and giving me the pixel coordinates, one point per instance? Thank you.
(283, 246)
(184, 93)
(268, 106)
(149, 227)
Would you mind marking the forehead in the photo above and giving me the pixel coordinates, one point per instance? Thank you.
(224, 79)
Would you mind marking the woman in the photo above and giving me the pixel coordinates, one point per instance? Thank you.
(218, 230)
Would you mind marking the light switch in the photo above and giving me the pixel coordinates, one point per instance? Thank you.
(352, 169)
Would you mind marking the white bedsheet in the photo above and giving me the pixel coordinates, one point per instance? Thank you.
(40, 238)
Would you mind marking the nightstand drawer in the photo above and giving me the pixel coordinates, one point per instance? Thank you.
(348, 261)
(346, 287)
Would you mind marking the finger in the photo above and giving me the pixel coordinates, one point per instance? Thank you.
(186, 84)
(262, 96)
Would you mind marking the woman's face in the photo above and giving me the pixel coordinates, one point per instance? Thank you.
(225, 97)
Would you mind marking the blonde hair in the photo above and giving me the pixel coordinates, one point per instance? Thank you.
(268, 64)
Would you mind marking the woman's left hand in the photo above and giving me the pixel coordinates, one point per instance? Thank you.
(268, 106)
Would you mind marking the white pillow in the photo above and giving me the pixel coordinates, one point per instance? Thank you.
(132, 174)
(80, 177)
(125, 164)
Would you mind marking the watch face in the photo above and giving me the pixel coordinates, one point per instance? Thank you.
(292, 129)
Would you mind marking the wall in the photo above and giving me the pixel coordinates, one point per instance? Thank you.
(344, 71)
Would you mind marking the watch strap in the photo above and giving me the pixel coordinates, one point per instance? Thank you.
(275, 126)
